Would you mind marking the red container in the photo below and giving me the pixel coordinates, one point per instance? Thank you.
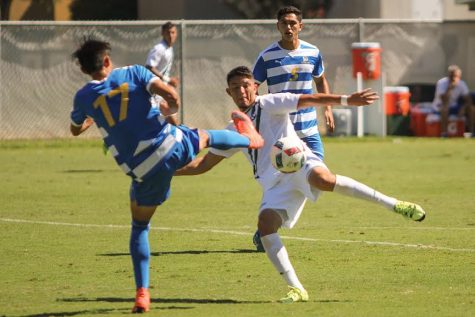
(366, 59)
(418, 121)
(455, 127)
(396, 100)
(433, 125)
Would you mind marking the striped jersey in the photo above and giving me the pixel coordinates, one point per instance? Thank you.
(135, 133)
(292, 71)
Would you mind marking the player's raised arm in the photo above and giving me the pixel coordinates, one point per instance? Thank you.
(361, 98)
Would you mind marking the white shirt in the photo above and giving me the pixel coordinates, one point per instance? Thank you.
(441, 88)
(270, 115)
(161, 57)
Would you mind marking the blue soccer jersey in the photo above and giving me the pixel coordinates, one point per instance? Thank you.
(134, 132)
(293, 71)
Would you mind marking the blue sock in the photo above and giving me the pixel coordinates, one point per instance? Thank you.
(140, 252)
(225, 139)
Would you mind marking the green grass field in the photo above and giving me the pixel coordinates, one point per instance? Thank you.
(64, 229)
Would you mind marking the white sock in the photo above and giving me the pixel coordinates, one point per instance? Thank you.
(277, 254)
(349, 187)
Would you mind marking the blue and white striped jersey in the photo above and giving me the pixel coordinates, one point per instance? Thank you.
(135, 133)
(292, 71)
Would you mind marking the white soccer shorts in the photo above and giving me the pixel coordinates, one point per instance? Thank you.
(289, 194)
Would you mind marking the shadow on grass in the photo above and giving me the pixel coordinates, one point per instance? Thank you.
(98, 311)
(239, 251)
(164, 300)
(154, 301)
(86, 171)
(75, 313)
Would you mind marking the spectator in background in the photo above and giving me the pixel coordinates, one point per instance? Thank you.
(160, 62)
(452, 97)
(160, 58)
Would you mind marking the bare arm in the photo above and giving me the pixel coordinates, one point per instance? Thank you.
(362, 98)
(173, 81)
(323, 87)
(75, 130)
(168, 93)
(155, 71)
(200, 165)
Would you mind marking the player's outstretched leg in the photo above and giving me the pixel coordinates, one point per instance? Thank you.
(142, 301)
(245, 127)
(349, 187)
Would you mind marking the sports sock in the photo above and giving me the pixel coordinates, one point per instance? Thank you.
(140, 252)
(277, 254)
(349, 187)
(225, 139)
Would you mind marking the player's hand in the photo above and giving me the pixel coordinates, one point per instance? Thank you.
(169, 108)
(88, 122)
(362, 98)
(329, 120)
(174, 82)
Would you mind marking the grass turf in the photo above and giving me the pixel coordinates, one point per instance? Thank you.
(64, 227)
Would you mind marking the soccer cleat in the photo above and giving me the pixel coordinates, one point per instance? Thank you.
(295, 295)
(142, 301)
(256, 239)
(410, 210)
(245, 127)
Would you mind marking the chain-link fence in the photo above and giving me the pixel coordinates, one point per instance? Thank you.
(39, 79)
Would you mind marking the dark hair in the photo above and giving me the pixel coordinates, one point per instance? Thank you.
(167, 26)
(241, 71)
(289, 10)
(90, 54)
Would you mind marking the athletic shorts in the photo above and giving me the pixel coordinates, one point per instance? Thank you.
(155, 189)
(314, 142)
(289, 194)
(454, 109)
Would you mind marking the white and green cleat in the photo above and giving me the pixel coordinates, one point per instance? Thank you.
(410, 210)
(295, 295)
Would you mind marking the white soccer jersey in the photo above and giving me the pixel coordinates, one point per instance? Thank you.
(161, 57)
(270, 115)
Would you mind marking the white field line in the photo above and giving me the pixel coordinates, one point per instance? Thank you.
(241, 233)
(419, 228)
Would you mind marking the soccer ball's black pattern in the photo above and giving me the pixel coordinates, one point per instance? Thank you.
(278, 160)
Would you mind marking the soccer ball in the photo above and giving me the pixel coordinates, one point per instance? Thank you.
(288, 154)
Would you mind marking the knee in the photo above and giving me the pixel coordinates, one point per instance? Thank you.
(322, 179)
(141, 214)
(204, 138)
(269, 222)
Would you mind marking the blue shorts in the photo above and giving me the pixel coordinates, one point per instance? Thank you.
(456, 109)
(314, 142)
(155, 189)
(453, 110)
